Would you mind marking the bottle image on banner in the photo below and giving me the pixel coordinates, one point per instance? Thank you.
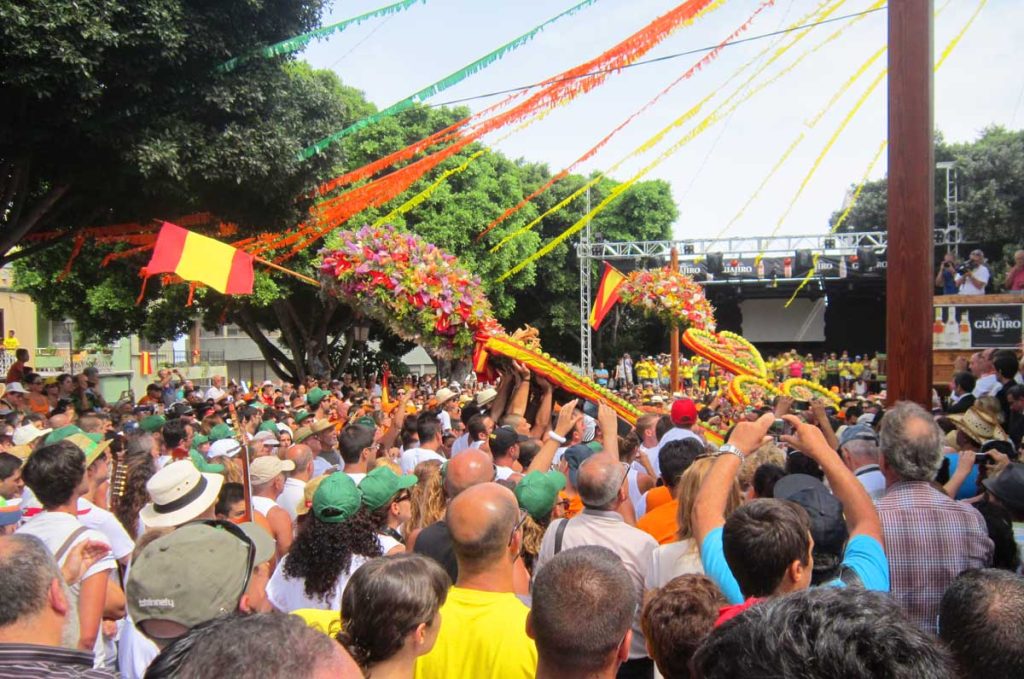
(938, 330)
(760, 268)
(965, 331)
(952, 332)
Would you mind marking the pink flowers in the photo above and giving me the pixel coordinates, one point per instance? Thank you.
(670, 296)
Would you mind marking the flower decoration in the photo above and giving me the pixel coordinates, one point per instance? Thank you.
(747, 390)
(671, 297)
(727, 350)
(411, 286)
(804, 390)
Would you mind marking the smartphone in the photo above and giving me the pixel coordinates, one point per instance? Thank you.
(780, 428)
(590, 409)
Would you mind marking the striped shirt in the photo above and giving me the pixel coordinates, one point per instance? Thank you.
(33, 660)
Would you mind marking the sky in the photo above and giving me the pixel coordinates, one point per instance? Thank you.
(713, 176)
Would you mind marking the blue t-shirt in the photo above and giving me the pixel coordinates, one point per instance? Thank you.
(864, 555)
(949, 283)
(969, 488)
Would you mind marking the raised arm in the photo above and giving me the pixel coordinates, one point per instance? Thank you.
(542, 420)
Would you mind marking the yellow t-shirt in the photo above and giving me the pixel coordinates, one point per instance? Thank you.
(328, 622)
(483, 634)
(11, 343)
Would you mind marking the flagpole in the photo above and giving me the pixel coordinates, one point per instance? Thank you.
(673, 383)
(296, 274)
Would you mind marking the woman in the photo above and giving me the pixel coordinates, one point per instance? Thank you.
(387, 497)
(537, 494)
(336, 539)
(51, 389)
(428, 503)
(38, 403)
(682, 557)
(140, 467)
(390, 614)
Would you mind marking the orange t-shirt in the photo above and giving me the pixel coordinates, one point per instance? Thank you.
(657, 497)
(660, 523)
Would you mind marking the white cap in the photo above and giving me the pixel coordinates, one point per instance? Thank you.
(225, 447)
(264, 469)
(27, 433)
(16, 388)
(267, 437)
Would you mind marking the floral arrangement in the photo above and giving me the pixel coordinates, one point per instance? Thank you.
(804, 390)
(673, 298)
(727, 350)
(413, 287)
(747, 390)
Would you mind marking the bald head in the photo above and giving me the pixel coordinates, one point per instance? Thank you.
(481, 520)
(599, 481)
(468, 469)
(302, 456)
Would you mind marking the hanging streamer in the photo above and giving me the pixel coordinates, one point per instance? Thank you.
(567, 86)
(426, 193)
(704, 61)
(297, 42)
(442, 84)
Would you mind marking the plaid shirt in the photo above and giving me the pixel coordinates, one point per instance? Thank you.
(929, 539)
(32, 660)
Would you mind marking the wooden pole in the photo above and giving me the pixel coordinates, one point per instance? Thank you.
(673, 380)
(296, 274)
(911, 218)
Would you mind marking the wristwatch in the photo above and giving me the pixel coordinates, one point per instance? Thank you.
(730, 449)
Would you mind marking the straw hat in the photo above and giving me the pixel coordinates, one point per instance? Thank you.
(180, 493)
(979, 425)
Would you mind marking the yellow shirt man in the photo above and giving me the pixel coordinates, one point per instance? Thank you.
(483, 634)
(11, 343)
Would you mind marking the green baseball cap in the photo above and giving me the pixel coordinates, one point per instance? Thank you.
(301, 415)
(61, 433)
(538, 491)
(337, 498)
(199, 439)
(269, 425)
(315, 395)
(221, 431)
(161, 587)
(381, 485)
(367, 421)
(152, 423)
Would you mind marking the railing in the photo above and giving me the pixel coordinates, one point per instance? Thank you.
(52, 360)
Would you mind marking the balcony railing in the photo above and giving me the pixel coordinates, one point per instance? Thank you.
(56, 360)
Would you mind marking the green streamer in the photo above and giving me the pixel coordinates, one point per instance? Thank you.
(299, 41)
(441, 85)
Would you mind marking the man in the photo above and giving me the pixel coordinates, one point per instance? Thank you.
(684, 416)
(815, 634)
(444, 398)
(676, 619)
(974, 276)
(1004, 361)
(267, 476)
(216, 391)
(601, 482)
(37, 611)
(1015, 426)
(676, 457)
(504, 444)
(584, 583)
(981, 619)
(153, 396)
(764, 548)
(322, 439)
(961, 397)
(429, 431)
(92, 378)
(180, 493)
(16, 373)
(357, 449)
(11, 342)
(195, 574)
(484, 628)
(11, 483)
(177, 439)
(624, 372)
(858, 446)
(987, 383)
(929, 537)
(294, 485)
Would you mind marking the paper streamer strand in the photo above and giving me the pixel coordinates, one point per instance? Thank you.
(296, 43)
(442, 84)
(565, 87)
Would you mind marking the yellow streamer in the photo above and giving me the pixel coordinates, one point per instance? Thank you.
(426, 193)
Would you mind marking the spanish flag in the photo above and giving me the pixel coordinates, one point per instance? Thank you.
(194, 257)
(145, 363)
(607, 294)
(385, 395)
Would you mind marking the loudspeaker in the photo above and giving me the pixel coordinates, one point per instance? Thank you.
(715, 263)
(867, 260)
(802, 263)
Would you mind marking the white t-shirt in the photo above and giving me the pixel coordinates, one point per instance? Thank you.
(100, 519)
(446, 420)
(387, 543)
(356, 477)
(412, 457)
(501, 473)
(969, 288)
(987, 385)
(214, 393)
(288, 594)
(135, 651)
(460, 444)
(291, 496)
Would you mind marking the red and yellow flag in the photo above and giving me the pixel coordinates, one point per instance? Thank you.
(385, 395)
(145, 363)
(194, 257)
(607, 294)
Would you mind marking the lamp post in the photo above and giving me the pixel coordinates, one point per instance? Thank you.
(70, 325)
(360, 335)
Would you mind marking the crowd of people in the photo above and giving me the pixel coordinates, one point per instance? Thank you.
(428, 528)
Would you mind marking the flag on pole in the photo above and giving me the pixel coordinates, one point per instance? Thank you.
(607, 294)
(385, 396)
(194, 257)
(145, 363)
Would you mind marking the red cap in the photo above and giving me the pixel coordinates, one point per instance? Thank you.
(684, 412)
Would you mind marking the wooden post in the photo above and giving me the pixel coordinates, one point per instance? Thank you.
(673, 380)
(911, 218)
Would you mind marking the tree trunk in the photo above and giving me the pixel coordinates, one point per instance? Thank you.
(283, 366)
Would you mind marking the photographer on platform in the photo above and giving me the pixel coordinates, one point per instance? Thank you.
(973, 276)
(946, 276)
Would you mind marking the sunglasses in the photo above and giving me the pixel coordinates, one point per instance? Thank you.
(240, 534)
(519, 524)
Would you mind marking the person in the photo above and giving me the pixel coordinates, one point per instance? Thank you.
(582, 584)
(295, 482)
(266, 474)
(483, 623)
(1014, 280)
(822, 633)
(986, 380)
(972, 278)
(37, 610)
(930, 538)
(961, 397)
(601, 482)
(11, 342)
(676, 457)
(357, 449)
(195, 573)
(981, 619)
(11, 484)
(180, 493)
(624, 372)
(764, 548)
(945, 278)
(504, 444)
(336, 540)
(683, 556)
(858, 447)
(387, 496)
(684, 417)
(428, 428)
(676, 618)
(264, 644)
(390, 613)
(17, 371)
(216, 392)
(56, 476)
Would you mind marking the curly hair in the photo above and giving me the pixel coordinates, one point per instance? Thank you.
(533, 535)
(428, 503)
(139, 469)
(385, 600)
(323, 551)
